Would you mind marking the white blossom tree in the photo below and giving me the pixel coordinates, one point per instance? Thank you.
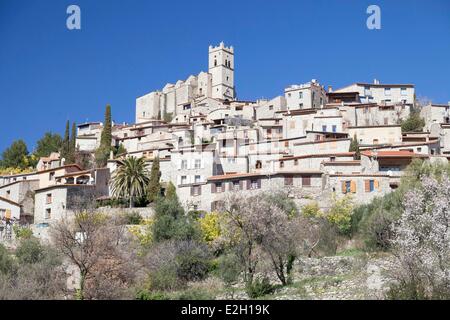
(422, 241)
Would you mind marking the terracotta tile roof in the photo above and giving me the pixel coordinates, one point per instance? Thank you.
(392, 154)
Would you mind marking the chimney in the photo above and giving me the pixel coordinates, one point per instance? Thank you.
(375, 81)
(330, 89)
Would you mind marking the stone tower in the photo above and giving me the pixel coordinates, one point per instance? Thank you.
(221, 68)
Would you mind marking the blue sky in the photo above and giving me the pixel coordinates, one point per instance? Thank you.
(49, 74)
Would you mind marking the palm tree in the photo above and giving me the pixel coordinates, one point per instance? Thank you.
(130, 179)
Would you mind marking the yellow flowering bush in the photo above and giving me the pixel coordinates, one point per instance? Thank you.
(210, 226)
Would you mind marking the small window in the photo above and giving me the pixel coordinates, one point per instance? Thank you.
(288, 180)
(403, 91)
(334, 128)
(198, 163)
(300, 105)
(198, 179)
(219, 187)
(236, 185)
(49, 198)
(296, 162)
(270, 107)
(183, 179)
(387, 91)
(254, 184)
(48, 213)
(324, 128)
(183, 164)
(281, 164)
(51, 176)
(258, 164)
(300, 95)
(306, 181)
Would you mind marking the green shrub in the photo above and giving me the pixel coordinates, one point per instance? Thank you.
(259, 287)
(193, 261)
(340, 214)
(406, 291)
(194, 294)
(151, 295)
(133, 218)
(22, 232)
(29, 251)
(228, 269)
(7, 264)
(165, 278)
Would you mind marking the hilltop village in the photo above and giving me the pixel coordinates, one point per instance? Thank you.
(209, 143)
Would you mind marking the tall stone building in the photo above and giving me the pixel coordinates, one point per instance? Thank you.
(181, 97)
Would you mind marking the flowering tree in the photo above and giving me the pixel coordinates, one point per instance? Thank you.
(422, 242)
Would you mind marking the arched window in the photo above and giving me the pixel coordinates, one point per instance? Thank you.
(258, 164)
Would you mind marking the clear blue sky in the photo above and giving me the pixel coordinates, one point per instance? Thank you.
(125, 49)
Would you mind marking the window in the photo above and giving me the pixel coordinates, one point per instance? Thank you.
(321, 100)
(219, 187)
(375, 141)
(300, 105)
(48, 198)
(324, 128)
(332, 159)
(387, 91)
(8, 193)
(215, 62)
(386, 121)
(198, 163)
(289, 95)
(231, 160)
(403, 91)
(258, 164)
(254, 184)
(296, 162)
(367, 91)
(369, 185)
(281, 164)
(419, 149)
(51, 176)
(300, 95)
(288, 180)
(236, 185)
(306, 181)
(48, 213)
(183, 164)
(196, 190)
(183, 180)
(271, 107)
(198, 179)
(224, 143)
(348, 186)
(334, 128)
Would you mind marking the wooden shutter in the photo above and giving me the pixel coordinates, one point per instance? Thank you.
(367, 185)
(249, 184)
(259, 183)
(213, 187)
(306, 181)
(353, 186)
(241, 185)
(344, 187)
(376, 184)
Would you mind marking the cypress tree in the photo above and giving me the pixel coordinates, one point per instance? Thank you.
(102, 153)
(354, 147)
(72, 144)
(66, 142)
(154, 187)
(106, 137)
